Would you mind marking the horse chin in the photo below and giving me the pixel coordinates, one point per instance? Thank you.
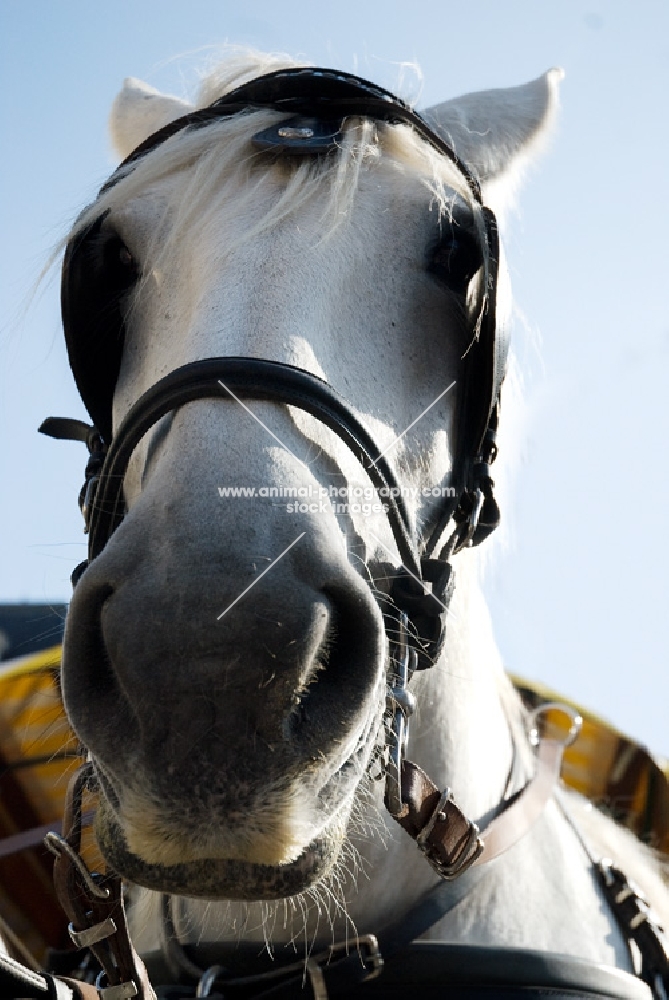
(277, 841)
(218, 878)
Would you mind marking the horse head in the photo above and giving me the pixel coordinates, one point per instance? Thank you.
(226, 651)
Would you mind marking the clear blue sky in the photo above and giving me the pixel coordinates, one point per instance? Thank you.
(580, 598)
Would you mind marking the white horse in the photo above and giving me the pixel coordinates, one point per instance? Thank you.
(225, 657)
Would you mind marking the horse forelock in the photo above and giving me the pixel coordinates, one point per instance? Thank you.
(207, 164)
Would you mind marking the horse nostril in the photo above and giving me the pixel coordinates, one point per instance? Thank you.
(91, 689)
(342, 678)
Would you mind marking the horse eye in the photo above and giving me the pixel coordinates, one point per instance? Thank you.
(455, 259)
(118, 268)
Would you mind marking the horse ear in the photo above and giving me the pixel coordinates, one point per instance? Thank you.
(138, 111)
(496, 131)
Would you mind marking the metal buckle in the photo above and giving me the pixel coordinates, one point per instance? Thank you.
(372, 957)
(93, 934)
(123, 991)
(469, 853)
(400, 705)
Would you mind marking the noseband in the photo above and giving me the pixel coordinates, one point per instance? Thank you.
(319, 102)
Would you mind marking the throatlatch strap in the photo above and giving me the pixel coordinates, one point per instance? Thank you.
(451, 842)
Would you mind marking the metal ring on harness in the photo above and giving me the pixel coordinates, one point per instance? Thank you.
(555, 706)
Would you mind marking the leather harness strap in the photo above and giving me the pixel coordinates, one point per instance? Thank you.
(451, 842)
(94, 905)
(17, 981)
(522, 811)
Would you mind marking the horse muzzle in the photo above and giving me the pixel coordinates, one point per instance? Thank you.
(223, 739)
